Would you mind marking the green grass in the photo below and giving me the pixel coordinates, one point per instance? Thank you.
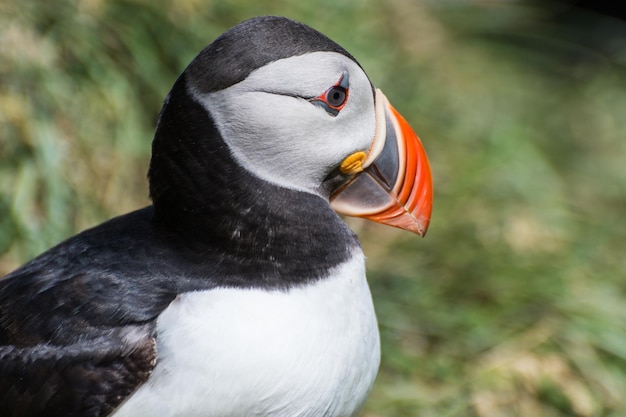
(513, 305)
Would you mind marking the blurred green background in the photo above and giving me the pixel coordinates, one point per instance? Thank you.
(513, 305)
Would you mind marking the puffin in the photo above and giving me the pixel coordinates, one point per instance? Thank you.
(239, 291)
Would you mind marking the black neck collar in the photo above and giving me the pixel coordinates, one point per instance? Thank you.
(251, 232)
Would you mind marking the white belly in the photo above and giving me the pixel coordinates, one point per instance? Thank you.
(312, 351)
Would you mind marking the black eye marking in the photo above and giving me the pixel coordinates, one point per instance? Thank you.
(335, 98)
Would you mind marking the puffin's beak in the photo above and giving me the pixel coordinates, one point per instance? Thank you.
(393, 182)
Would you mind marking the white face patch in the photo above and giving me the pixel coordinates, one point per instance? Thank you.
(275, 132)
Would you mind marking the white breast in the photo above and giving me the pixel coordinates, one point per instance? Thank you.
(312, 351)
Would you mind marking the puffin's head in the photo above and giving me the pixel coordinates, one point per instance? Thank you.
(295, 109)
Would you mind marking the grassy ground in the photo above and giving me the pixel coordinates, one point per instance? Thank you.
(514, 303)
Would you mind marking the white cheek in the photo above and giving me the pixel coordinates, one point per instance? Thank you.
(270, 135)
(288, 140)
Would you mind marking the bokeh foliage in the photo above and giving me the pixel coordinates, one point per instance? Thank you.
(514, 303)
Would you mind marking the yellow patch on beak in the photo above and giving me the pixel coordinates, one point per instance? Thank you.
(353, 163)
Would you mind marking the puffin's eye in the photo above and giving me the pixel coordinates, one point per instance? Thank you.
(333, 100)
(336, 97)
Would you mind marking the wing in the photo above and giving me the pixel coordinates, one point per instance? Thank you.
(77, 324)
(84, 379)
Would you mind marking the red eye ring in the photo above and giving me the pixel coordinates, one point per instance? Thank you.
(335, 98)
